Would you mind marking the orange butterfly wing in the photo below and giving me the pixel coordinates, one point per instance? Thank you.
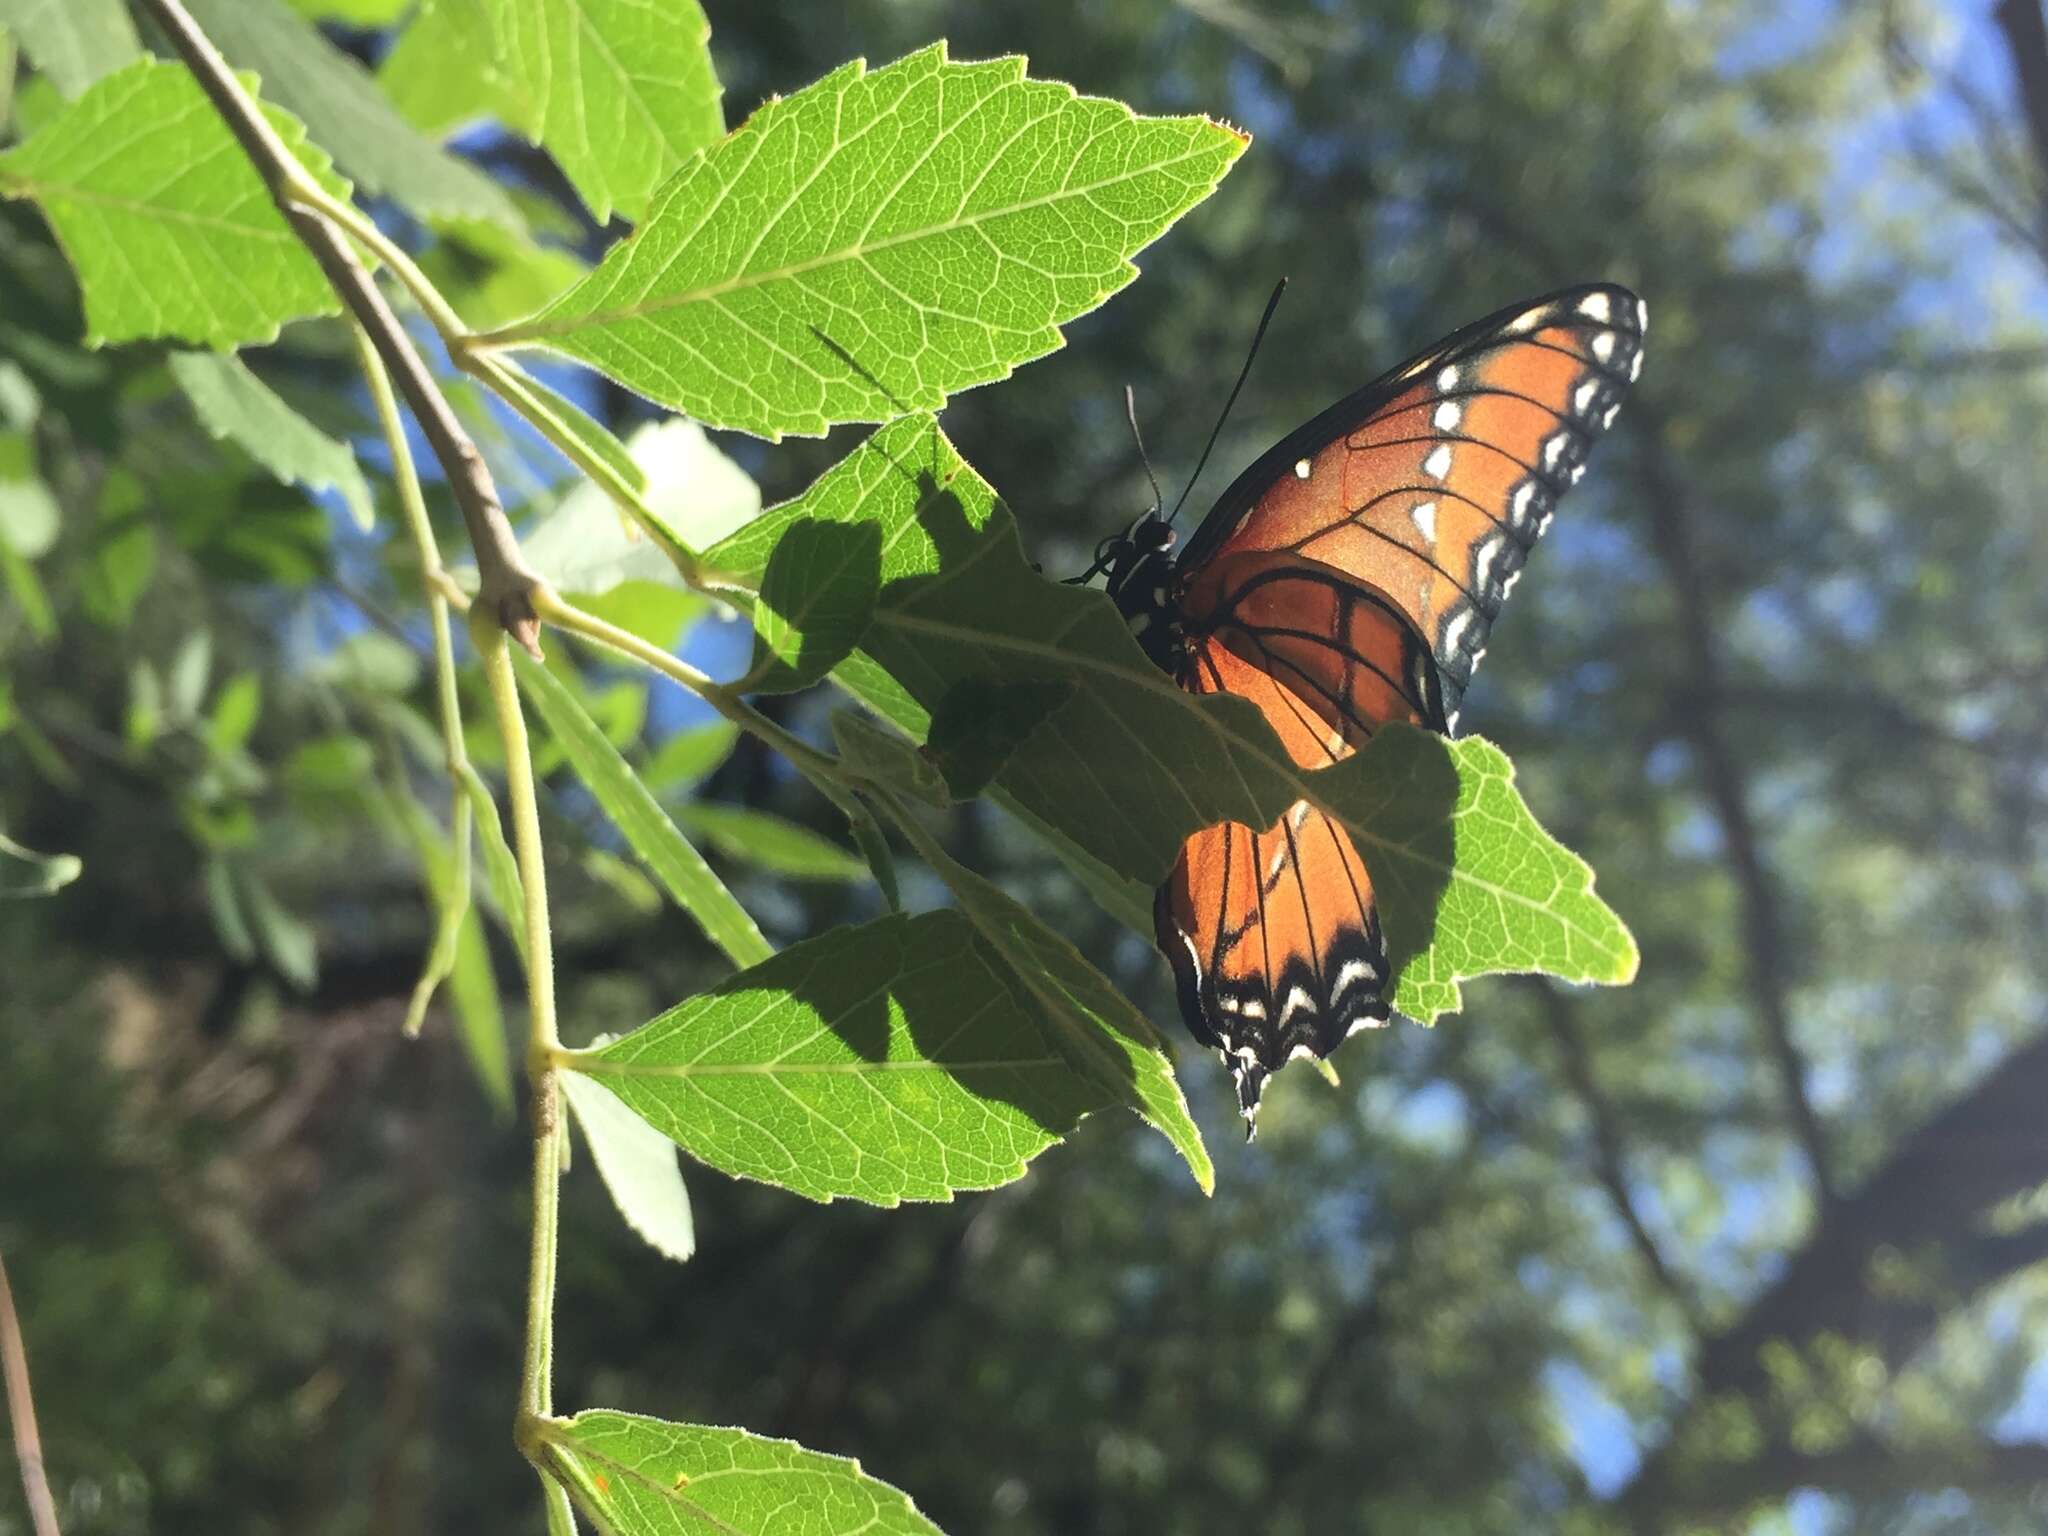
(1352, 576)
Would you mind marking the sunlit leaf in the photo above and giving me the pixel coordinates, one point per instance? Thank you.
(638, 1165)
(641, 1477)
(233, 404)
(892, 1061)
(640, 819)
(169, 227)
(494, 275)
(689, 755)
(427, 93)
(769, 842)
(618, 91)
(932, 226)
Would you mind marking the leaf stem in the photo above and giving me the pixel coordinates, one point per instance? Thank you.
(543, 1043)
(455, 905)
(727, 700)
(506, 579)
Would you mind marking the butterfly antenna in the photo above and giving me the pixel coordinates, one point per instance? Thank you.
(1242, 374)
(1131, 413)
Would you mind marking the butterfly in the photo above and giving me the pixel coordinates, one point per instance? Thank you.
(1350, 577)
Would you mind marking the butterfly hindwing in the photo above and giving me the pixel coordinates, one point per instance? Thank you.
(1274, 937)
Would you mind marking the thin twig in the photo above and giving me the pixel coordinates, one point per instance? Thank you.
(1728, 794)
(1609, 1161)
(21, 1413)
(506, 580)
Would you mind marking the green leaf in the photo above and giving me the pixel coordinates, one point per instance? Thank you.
(880, 240)
(622, 879)
(656, 612)
(874, 848)
(638, 1165)
(978, 725)
(877, 753)
(887, 1062)
(343, 109)
(235, 711)
(427, 93)
(465, 966)
(769, 842)
(353, 13)
(621, 93)
(817, 596)
(493, 275)
(640, 819)
(286, 942)
(233, 405)
(501, 869)
(73, 42)
(689, 756)
(1468, 883)
(166, 222)
(123, 555)
(641, 1477)
(371, 661)
(29, 514)
(1130, 766)
(24, 872)
(585, 548)
(185, 679)
(1105, 1039)
(592, 435)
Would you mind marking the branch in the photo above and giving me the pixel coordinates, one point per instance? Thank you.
(21, 1412)
(2026, 39)
(1607, 1152)
(1671, 530)
(506, 580)
(1931, 1193)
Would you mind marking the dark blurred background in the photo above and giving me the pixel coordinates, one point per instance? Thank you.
(1758, 1243)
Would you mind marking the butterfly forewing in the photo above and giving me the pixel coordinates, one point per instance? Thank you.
(1351, 576)
(1433, 483)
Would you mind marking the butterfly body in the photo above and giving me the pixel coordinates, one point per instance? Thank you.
(1351, 576)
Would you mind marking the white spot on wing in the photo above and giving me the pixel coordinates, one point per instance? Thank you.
(1447, 377)
(1350, 974)
(1595, 306)
(1635, 366)
(1642, 317)
(1518, 504)
(1302, 467)
(1528, 320)
(1584, 395)
(1603, 345)
(1607, 416)
(1447, 415)
(1424, 517)
(1454, 632)
(1438, 464)
(1297, 999)
(1554, 447)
